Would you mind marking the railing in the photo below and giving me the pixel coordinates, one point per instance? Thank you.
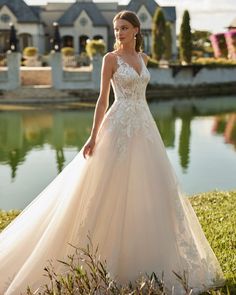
(75, 61)
(72, 61)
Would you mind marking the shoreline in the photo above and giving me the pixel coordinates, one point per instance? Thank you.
(41, 94)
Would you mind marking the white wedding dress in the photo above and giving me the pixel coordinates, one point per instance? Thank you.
(126, 195)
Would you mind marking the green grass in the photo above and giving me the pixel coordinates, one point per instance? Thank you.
(216, 211)
(217, 214)
(6, 217)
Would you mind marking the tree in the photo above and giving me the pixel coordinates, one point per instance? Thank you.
(201, 43)
(158, 34)
(185, 39)
(168, 42)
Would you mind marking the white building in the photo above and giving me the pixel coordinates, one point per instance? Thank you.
(78, 21)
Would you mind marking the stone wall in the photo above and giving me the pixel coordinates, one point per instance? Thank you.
(75, 79)
(192, 76)
(36, 76)
(175, 78)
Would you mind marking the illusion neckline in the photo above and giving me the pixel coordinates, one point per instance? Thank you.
(128, 64)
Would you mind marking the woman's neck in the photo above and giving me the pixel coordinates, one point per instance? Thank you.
(128, 49)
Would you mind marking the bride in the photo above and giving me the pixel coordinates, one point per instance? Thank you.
(120, 187)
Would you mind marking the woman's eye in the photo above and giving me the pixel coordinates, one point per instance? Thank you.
(121, 29)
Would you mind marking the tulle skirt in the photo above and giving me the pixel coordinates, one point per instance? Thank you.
(130, 203)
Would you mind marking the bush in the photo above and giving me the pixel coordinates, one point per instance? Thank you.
(30, 51)
(84, 59)
(211, 61)
(152, 63)
(94, 47)
(68, 51)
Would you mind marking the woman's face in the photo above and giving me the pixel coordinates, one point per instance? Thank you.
(124, 31)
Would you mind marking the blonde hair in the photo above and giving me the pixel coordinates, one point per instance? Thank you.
(132, 18)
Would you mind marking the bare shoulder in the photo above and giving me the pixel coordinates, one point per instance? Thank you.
(145, 57)
(110, 62)
(109, 58)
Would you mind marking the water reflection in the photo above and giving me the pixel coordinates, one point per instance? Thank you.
(20, 132)
(225, 125)
(37, 145)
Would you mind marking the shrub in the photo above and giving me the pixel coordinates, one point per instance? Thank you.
(30, 51)
(211, 61)
(152, 63)
(94, 47)
(68, 51)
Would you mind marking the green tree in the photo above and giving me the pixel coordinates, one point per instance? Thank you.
(201, 43)
(185, 39)
(168, 42)
(158, 34)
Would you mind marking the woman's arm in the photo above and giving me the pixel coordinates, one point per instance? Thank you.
(102, 104)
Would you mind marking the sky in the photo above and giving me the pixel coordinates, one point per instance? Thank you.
(211, 15)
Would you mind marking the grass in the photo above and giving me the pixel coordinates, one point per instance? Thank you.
(6, 217)
(217, 214)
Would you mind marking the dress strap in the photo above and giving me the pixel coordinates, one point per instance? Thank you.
(119, 59)
(140, 56)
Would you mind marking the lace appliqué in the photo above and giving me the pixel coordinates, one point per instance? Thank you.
(130, 115)
(127, 119)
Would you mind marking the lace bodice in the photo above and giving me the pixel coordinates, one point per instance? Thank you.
(127, 83)
(129, 115)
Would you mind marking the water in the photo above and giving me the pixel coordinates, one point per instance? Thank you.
(199, 135)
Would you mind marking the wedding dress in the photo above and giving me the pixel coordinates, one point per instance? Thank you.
(126, 195)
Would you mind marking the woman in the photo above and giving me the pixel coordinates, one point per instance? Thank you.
(121, 188)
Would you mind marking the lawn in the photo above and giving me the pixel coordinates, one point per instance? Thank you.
(217, 214)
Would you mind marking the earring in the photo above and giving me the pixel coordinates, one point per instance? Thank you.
(135, 37)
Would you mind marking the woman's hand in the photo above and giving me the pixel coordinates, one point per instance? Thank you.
(108, 66)
(88, 147)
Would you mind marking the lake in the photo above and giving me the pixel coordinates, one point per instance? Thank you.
(36, 143)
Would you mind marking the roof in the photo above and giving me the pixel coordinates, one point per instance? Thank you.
(70, 15)
(36, 9)
(151, 5)
(21, 10)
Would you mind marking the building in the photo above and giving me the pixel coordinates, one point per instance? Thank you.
(224, 44)
(78, 21)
